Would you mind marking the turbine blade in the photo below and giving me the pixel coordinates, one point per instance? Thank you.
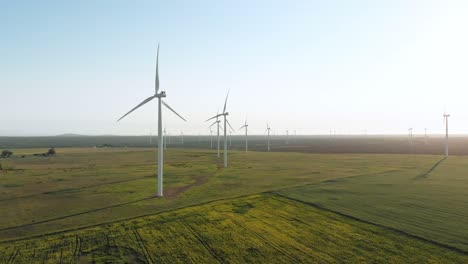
(138, 106)
(216, 116)
(168, 107)
(214, 123)
(225, 102)
(156, 82)
(242, 127)
(230, 125)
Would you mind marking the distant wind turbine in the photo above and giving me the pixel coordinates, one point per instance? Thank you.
(226, 122)
(159, 95)
(246, 126)
(446, 116)
(410, 135)
(211, 138)
(425, 135)
(268, 130)
(217, 123)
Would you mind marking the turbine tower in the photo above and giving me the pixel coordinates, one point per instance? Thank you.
(160, 95)
(446, 116)
(425, 136)
(165, 140)
(410, 136)
(268, 130)
(226, 122)
(246, 136)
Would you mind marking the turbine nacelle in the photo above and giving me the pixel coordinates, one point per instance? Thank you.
(162, 94)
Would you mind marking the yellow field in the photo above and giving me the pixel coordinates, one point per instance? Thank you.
(260, 228)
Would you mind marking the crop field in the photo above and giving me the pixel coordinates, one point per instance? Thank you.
(260, 228)
(98, 204)
(431, 205)
(82, 187)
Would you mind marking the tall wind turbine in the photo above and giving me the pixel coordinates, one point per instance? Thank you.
(268, 130)
(226, 122)
(446, 116)
(246, 126)
(160, 95)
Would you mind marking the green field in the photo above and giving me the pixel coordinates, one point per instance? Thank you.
(85, 203)
(82, 187)
(261, 228)
(430, 205)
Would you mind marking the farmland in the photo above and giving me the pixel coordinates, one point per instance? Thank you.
(259, 228)
(98, 204)
(81, 187)
(432, 205)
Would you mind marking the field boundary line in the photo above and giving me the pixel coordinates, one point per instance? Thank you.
(426, 174)
(142, 246)
(204, 243)
(75, 214)
(398, 231)
(70, 189)
(271, 244)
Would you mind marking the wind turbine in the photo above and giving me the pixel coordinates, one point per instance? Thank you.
(160, 95)
(446, 116)
(268, 130)
(226, 122)
(217, 131)
(246, 126)
(425, 136)
(211, 138)
(410, 135)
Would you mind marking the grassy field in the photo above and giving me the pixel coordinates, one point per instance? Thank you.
(431, 205)
(83, 187)
(260, 228)
(98, 204)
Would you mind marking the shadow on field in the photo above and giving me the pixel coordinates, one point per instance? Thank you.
(426, 174)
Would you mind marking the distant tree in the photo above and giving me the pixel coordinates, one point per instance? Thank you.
(51, 152)
(6, 153)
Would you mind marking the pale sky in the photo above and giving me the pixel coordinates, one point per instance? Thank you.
(309, 66)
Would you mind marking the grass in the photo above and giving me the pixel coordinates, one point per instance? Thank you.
(259, 228)
(431, 205)
(85, 187)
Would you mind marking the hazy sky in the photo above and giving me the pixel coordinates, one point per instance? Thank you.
(310, 66)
